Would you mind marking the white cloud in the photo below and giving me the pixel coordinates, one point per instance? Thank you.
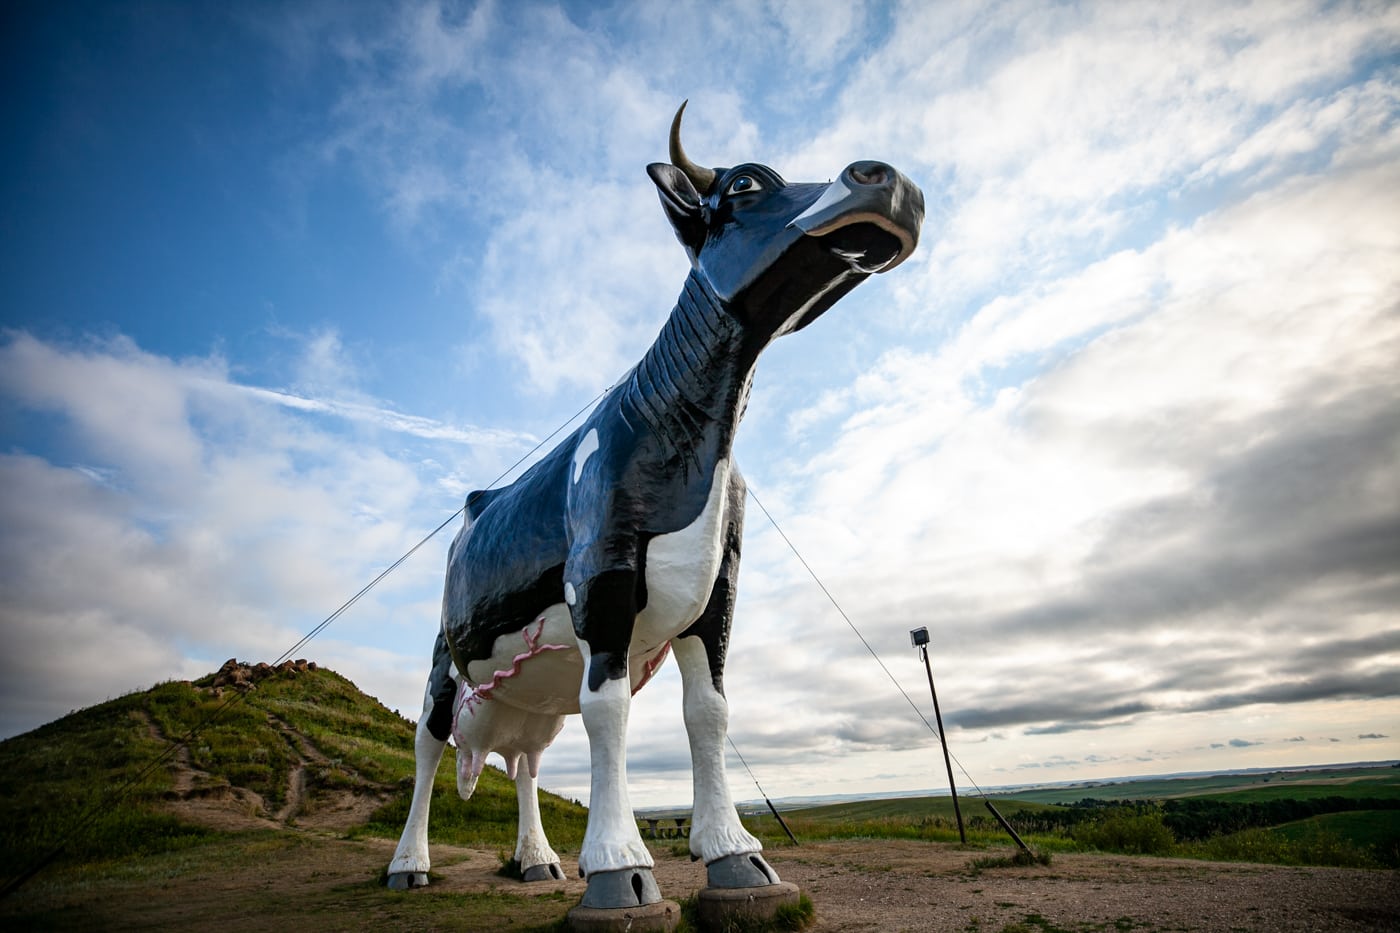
(1209, 455)
(1121, 434)
(198, 522)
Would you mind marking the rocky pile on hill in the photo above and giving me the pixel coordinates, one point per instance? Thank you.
(243, 677)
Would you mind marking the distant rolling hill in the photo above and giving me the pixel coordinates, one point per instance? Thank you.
(293, 746)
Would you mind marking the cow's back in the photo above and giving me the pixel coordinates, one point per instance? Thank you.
(506, 565)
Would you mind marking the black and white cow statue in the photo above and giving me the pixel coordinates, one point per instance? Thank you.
(566, 589)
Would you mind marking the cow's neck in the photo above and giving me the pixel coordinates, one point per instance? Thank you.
(690, 386)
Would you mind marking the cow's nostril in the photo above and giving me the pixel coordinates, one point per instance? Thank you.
(869, 173)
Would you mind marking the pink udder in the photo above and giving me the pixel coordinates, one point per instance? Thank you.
(650, 667)
(483, 692)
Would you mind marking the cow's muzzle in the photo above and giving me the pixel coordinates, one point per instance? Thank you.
(869, 216)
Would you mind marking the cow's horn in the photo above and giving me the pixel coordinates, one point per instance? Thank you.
(702, 178)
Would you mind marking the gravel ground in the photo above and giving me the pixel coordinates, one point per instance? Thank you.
(869, 885)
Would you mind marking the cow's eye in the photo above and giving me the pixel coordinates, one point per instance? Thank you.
(744, 184)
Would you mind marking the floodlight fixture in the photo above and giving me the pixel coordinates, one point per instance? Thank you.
(919, 639)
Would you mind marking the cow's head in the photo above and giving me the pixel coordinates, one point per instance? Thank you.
(779, 254)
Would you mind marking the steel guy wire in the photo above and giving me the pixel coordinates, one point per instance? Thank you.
(832, 599)
(114, 795)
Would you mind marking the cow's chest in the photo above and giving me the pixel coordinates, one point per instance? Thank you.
(541, 667)
(681, 568)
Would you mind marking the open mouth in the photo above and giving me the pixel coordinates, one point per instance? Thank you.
(864, 246)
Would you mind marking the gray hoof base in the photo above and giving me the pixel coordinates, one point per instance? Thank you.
(724, 908)
(660, 917)
(547, 872)
(744, 870)
(403, 880)
(627, 887)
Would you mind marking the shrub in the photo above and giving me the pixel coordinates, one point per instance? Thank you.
(1141, 833)
(1320, 847)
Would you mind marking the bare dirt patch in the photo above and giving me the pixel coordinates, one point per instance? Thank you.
(280, 880)
(210, 801)
(889, 885)
(280, 870)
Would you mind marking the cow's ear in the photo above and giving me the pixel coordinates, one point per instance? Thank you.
(682, 204)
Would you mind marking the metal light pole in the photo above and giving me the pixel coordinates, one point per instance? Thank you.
(919, 638)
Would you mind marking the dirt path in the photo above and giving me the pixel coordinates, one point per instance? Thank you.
(882, 885)
(885, 885)
(299, 877)
(203, 798)
(305, 871)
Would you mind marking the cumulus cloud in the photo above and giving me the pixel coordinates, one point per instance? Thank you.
(192, 521)
(1158, 485)
(1205, 480)
(1121, 434)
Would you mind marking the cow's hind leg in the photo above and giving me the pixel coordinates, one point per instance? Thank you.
(409, 867)
(519, 737)
(536, 858)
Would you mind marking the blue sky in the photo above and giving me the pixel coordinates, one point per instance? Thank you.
(282, 282)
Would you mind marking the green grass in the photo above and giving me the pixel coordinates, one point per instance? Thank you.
(1358, 838)
(312, 881)
(57, 774)
(488, 819)
(57, 782)
(924, 818)
(1372, 828)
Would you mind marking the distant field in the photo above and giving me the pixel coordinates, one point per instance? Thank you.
(1235, 818)
(1379, 782)
(904, 808)
(1382, 782)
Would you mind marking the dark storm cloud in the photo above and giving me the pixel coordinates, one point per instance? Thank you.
(1067, 715)
(1329, 687)
(1302, 501)
(1263, 523)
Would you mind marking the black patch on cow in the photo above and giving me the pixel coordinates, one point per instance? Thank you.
(604, 617)
(508, 611)
(605, 666)
(442, 687)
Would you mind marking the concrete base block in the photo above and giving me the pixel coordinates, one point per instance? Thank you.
(718, 906)
(661, 917)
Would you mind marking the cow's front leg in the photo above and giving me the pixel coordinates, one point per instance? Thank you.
(613, 858)
(729, 851)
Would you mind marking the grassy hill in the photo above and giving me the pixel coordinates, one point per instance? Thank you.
(277, 747)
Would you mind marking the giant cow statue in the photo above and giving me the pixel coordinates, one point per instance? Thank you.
(566, 589)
